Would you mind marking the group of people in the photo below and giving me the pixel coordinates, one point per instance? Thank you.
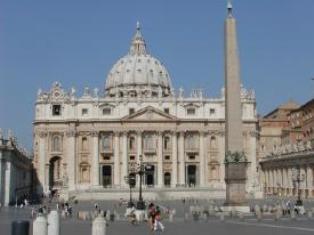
(154, 218)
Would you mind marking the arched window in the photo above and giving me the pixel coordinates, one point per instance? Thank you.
(213, 142)
(106, 142)
(56, 144)
(214, 172)
(85, 176)
(191, 141)
(149, 141)
(166, 142)
(84, 143)
(132, 143)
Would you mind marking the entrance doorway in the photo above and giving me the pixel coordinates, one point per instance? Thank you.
(167, 179)
(149, 176)
(107, 176)
(191, 173)
(55, 173)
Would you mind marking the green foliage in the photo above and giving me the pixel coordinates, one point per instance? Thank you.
(235, 157)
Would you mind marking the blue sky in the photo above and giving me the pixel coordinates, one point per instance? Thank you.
(77, 42)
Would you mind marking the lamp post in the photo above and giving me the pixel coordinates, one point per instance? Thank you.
(298, 179)
(131, 181)
(141, 171)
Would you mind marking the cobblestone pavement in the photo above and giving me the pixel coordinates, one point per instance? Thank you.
(234, 226)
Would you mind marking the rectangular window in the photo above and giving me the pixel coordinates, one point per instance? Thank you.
(190, 111)
(212, 111)
(166, 110)
(106, 111)
(84, 112)
(56, 110)
(167, 157)
(131, 110)
(107, 157)
(192, 157)
(132, 158)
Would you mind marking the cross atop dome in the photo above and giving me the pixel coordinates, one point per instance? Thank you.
(138, 45)
(229, 8)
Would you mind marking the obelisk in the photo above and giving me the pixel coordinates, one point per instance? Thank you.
(235, 160)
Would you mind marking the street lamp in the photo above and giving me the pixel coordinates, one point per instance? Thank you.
(298, 179)
(141, 171)
(131, 181)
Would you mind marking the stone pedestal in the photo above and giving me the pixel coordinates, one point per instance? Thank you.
(235, 177)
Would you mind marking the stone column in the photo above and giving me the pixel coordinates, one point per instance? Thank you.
(181, 159)
(139, 145)
(42, 159)
(309, 179)
(116, 159)
(95, 159)
(139, 153)
(202, 160)
(253, 175)
(271, 181)
(71, 151)
(125, 161)
(46, 183)
(290, 184)
(266, 180)
(174, 174)
(1, 173)
(284, 178)
(159, 161)
(222, 152)
(7, 183)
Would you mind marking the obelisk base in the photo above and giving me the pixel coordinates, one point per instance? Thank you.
(235, 177)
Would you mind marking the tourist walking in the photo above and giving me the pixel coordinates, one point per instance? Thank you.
(158, 226)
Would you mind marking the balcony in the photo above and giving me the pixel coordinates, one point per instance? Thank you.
(192, 150)
(149, 150)
(106, 150)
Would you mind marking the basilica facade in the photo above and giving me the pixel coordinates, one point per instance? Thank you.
(95, 140)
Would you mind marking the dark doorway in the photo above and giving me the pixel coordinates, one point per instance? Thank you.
(106, 176)
(191, 170)
(167, 179)
(150, 172)
(55, 173)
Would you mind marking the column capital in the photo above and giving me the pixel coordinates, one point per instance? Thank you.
(71, 133)
(117, 133)
(94, 133)
(42, 134)
(203, 132)
(253, 133)
(216, 132)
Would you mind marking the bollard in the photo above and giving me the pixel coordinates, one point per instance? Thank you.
(40, 226)
(171, 217)
(108, 215)
(309, 214)
(259, 215)
(186, 216)
(278, 213)
(222, 216)
(241, 216)
(99, 226)
(20, 227)
(53, 223)
(292, 214)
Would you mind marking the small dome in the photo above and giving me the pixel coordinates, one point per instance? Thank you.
(138, 73)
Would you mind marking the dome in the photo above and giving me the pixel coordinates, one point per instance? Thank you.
(138, 73)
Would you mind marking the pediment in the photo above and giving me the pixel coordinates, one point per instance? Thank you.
(149, 114)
